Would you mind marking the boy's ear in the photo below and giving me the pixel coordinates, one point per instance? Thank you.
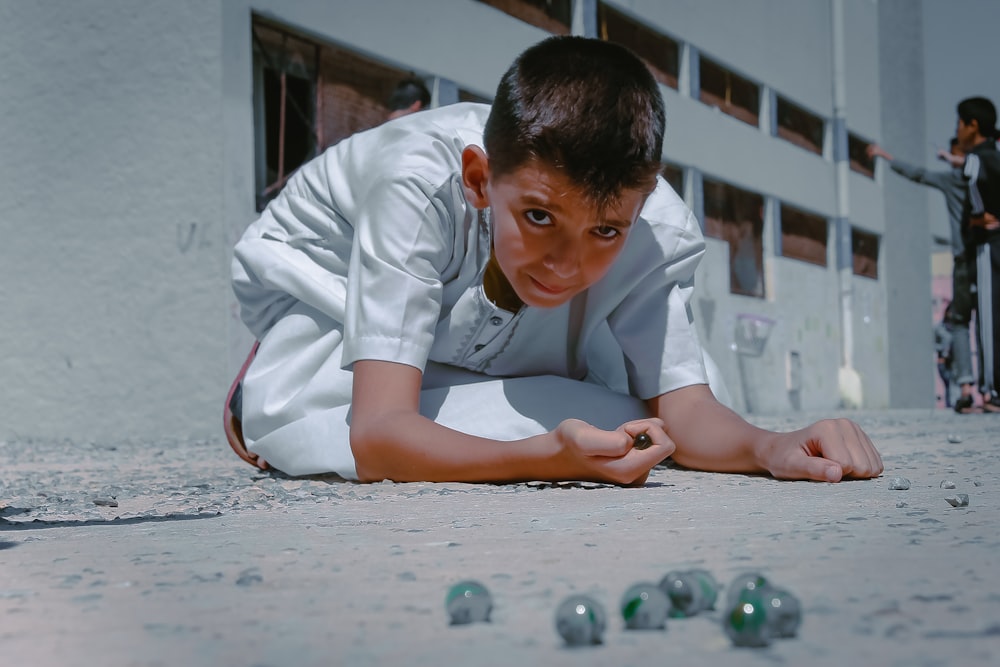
(475, 176)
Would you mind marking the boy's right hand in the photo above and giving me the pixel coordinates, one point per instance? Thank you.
(609, 456)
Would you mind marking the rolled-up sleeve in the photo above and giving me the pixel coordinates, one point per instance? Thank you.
(403, 241)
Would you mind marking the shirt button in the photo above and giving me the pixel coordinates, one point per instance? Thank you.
(496, 320)
(479, 347)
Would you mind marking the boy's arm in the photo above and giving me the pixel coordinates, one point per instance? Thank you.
(710, 436)
(936, 179)
(390, 439)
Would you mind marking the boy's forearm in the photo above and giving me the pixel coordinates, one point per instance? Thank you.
(708, 435)
(409, 448)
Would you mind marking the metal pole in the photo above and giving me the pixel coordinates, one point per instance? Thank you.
(849, 379)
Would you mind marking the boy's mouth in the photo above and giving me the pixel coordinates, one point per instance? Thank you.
(542, 287)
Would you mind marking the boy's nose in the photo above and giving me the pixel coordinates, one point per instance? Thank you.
(563, 258)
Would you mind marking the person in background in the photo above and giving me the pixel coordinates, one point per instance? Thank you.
(409, 96)
(944, 340)
(976, 132)
(953, 186)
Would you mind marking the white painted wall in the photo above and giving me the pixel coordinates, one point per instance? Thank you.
(112, 263)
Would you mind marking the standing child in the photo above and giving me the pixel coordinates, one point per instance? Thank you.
(499, 293)
(977, 134)
(955, 188)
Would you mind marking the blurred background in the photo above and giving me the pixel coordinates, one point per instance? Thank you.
(139, 139)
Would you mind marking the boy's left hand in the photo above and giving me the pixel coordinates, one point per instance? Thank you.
(826, 451)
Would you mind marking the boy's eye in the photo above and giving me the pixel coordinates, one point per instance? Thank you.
(607, 231)
(537, 216)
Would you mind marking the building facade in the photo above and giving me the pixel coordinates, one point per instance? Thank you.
(139, 140)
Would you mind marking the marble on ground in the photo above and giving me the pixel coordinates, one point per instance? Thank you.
(177, 553)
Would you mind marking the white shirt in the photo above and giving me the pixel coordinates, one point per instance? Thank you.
(377, 234)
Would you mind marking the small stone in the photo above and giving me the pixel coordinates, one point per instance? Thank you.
(958, 500)
(468, 602)
(249, 577)
(104, 501)
(954, 439)
(901, 503)
(645, 607)
(580, 620)
(947, 484)
(977, 483)
(899, 484)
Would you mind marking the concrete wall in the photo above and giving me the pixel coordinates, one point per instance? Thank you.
(112, 263)
(906, 255)
(127, 173)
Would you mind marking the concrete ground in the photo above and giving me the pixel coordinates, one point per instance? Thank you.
(177, 553)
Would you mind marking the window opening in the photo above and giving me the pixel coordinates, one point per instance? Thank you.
(660, 53)
(554, 16)
(729, 92)
(800, 127)
(856, 151)
(674, 175)
(864, 246)
(308, 96)
(286, 67)
(737, 217)
(803, 235)
(469, 96)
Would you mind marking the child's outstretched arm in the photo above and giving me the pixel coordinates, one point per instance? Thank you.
(710, 436)
(390, 439)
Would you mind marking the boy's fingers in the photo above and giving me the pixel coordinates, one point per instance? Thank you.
(875, 466)
(815, 468)
(844, 443)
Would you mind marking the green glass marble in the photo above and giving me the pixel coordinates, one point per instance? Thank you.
(748, 581)
(690, 591)
(746, 619)
(468, 602)
(709, 587)
(784, 612)
(645, 607)
(580, 621)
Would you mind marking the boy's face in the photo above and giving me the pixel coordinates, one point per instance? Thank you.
(550, 242)
(966, 134)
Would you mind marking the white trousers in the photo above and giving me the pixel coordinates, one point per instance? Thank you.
(297, 399)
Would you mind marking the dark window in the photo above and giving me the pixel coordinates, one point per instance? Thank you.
(469, 96)
(674, 175)
(802, 128)
(660, 53)
(731, 93)
(284, 93)
(856, 151)
(803, 235)
(864, 246)
(737, 217)
(552, 15)
(308, 96)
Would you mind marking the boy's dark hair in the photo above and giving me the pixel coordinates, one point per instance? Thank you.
(406, 93)
(587, 107)
(982, 111)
